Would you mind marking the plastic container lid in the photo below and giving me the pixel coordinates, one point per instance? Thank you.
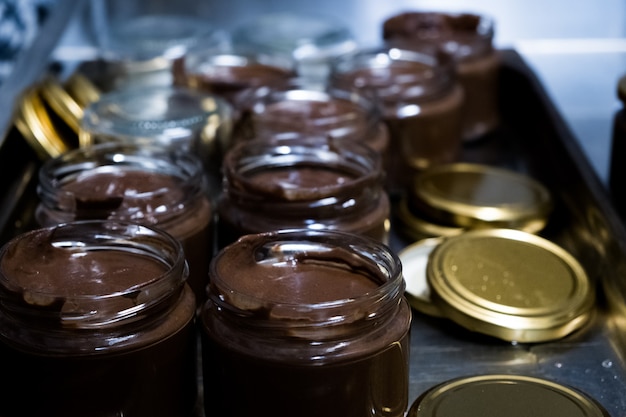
(504, 395)
(509, 284)
(474, 195)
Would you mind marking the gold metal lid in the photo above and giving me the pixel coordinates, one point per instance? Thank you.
(82, 89)
(475, 195)
(505, 395)
(34, 123)
(414, 260)
(510, 284)
(418, 228)
(62, 103)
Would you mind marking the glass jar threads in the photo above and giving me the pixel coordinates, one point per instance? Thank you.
(347, 114)
(421, 103)
(140, 184)
(172, 117)
(306, 323)
(96, 319)
(302, 182)
(469, 38)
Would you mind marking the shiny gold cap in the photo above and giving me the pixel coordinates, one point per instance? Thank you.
(62, 103)
(474, 195)
(34, 123)
(414, 260)
(504, 395)
(510, 284)
(82, 89)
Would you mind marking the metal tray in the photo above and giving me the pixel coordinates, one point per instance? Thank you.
(532, 139)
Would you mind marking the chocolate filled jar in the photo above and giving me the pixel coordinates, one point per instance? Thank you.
(229, 72)
(421, 104)
(302, 182)
(469, 38)
(347, 114)
(139, 184)
(96, 319)
(306, 323)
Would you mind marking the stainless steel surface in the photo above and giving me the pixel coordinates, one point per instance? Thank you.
(535, 139)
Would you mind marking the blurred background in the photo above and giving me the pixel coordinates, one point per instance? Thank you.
(577, 48)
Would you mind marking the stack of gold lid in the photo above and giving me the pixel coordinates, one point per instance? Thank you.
(50, 112)
(506, 283)
(505, 395)
(447, 199)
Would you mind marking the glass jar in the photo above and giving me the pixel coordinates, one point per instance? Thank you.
(306, 323)
(302, 182)
(469, 38)
(140, 45)
(229, 72)
(96, 319)
(311, 40)
(140, 184)
(421, 103)
(171, 117)
(346, 114)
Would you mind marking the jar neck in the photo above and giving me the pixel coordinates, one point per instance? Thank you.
(290, 167)
(320, 326)
(343, 113)
(395, 75)
(97, 313)
(143, 184)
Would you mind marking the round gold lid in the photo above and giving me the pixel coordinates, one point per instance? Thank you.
(414, 260)
(504, 395)
(510, 284)
(62, 103)
(473, 195)
(82, 89)
(418, 228)
(35, 125)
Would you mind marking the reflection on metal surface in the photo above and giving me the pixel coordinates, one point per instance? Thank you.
(505, 395)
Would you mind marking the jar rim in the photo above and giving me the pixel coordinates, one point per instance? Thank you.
(252, 155)
(363, 254)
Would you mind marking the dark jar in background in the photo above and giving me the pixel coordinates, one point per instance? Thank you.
(421, 104)
(96, 319)
(306, 323)
(302, 182)
(140, 184)
(469, 38)
(347, 114)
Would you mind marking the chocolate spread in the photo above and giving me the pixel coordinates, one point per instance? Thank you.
(314, 353)
(149, 198)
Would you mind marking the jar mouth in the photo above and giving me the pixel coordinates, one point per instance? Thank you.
(392, 72)
(183, 170)
(88, 300)
(359, 164)
(337, 250)
(463, 35)
(204, 61)
(338, 112)
(162, 114)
